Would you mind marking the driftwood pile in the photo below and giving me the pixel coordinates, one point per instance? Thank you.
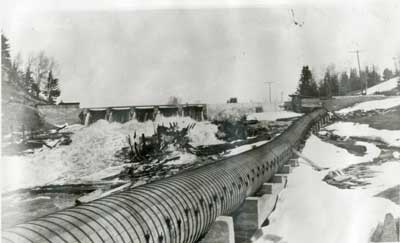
(158, 146)
(25, 141)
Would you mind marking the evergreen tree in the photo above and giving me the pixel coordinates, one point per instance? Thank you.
(355, 81)
(334, 81)
(5, 58)
(387, 74)
(373, 78)
(322, 89)
(344, 84)
(15, 74)
(307, 85)
(52, 89)
(329, 86)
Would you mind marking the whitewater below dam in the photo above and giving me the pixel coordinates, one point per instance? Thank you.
(91, 155)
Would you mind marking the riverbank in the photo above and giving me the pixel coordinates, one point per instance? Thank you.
(346, 202)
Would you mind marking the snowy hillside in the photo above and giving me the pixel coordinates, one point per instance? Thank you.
(384, 86)
(372, 105)
(326, 213)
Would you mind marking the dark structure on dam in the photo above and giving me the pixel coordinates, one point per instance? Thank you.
(180, 208)
(71, 112)
(123, 114)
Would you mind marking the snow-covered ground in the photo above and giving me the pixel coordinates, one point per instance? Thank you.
(342, 158)
(372, 105)
(272, 115)
(90, 156)
(310, 210)
(390, 137)
(384, 86)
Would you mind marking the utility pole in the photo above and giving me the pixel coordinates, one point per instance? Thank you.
(395, 64)
(269, 86)
(359, 70)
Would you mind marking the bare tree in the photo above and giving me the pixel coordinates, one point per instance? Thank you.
(16, 73)
(41, 66)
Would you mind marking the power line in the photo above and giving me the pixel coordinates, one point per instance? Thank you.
(395, 64)
(357, 52)
(269, 86)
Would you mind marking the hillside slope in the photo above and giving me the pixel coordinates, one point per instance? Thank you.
(384, 86)
(19, 111)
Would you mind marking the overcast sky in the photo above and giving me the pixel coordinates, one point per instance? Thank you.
(119, 53)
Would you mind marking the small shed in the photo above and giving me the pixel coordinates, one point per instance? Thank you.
(304, 104)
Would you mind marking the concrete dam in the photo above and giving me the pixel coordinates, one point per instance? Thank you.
(72, 113)
(181, 208)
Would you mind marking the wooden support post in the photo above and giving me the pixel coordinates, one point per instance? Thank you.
(285, 169)
(221, 231)
(293, 162)
(278, 178)
(270, 188)
(251, 215)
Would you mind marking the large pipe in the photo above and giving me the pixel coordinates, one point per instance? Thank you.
(180, 208)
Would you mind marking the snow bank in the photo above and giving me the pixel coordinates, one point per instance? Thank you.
(372, 105)
(90, 156)
(272, 115)
(390, 137)
(384, 86)
(326, 213)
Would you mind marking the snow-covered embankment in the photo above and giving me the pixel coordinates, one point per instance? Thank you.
(310, 210)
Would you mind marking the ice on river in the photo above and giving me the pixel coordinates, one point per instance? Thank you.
(90, 156)
(310, 210)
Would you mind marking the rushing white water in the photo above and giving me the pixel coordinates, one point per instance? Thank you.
(87, 119)
(90, 156)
